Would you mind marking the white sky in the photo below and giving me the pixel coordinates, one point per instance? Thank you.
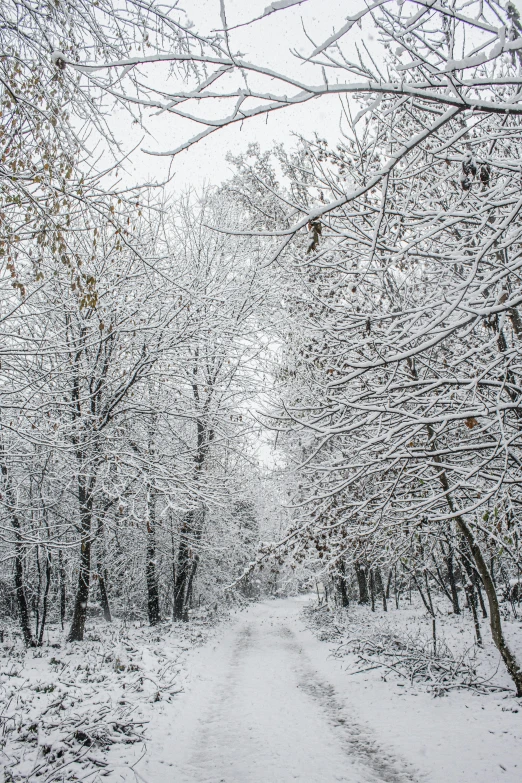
(267, 41)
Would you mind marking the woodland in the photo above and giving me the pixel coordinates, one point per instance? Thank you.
(307, 377)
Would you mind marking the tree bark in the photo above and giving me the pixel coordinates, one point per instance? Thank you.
(452, 581)
(190, 586)
(388, 584)
(342, 584)
(21, 598)
(150, 567)
(61, 576)
(45, 598)
(360, 573)
(104, 597)
(476, 582)
(182, 570)
(102, 571)
(187, 564)
(383, 591)
(372, 589)
(428, 591)
(192, 527)
(85, 498)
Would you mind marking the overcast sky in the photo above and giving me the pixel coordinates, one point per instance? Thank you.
(268, 41)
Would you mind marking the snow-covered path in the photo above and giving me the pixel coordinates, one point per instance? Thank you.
(258, 710)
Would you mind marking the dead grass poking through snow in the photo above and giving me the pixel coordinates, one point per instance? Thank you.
(71, 711)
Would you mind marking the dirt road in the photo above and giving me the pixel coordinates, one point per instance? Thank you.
(259, 711)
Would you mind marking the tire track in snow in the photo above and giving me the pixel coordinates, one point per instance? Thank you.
(218, 735)
(356, 739)
(270, 718)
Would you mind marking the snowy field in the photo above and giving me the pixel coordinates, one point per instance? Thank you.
(269, 695)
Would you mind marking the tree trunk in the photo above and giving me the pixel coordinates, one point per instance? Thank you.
(36, 598)
(360, 573)
(23, 608)
(61, 572)
(396, 588)
(21, 598)
(388, 584)
(428, 592)
(173, 566)
(476, 582)
(104, 598)
(192, 528)
(452, 581)
(383, 590)
(150, 568)
(45, 597)
(187, 561)
(85, 497)
(472, 603)
(342, 584)
(470, 590)
(102, 571)
(372, 589)
(183, 568)
(492, 569)
(190, 587)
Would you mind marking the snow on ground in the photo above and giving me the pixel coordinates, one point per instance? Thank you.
(80, 711)
(258, 710)
(463, 736)
(264, 700)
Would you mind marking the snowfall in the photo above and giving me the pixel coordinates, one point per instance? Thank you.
(279, 691)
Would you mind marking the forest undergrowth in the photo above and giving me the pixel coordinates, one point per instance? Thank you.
(70, 711)
(409, 646)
